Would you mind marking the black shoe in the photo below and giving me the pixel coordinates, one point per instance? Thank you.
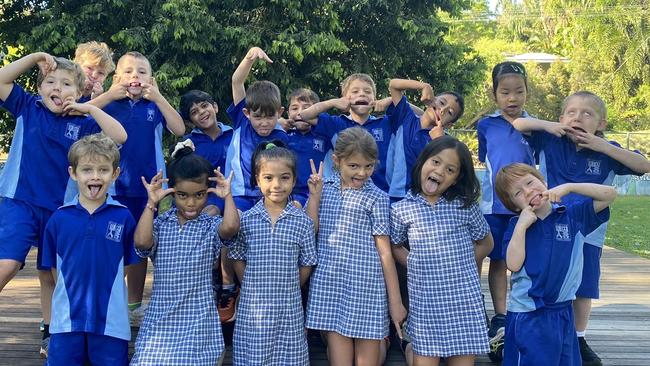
(496, 335)
(497, 323)
(589, 357)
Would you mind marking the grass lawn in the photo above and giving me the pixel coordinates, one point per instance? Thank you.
(629, 223)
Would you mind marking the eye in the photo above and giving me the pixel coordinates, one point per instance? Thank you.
(516, 193)
(200, 194)
(529, 182)
(435, 161)
(181, 195)
(451, 170)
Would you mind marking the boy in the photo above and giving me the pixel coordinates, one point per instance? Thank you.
(87, 242)
(255, 112)
(135, 101)
(33, 181)
(96, 59)
(358, 92)
(544, 253)
(211, 140)
(575, 151)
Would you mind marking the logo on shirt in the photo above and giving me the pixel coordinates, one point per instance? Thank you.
(114, 231)
(593, 167)
(72, 131)
(318, 145)
(562, 232)
(523, 141)
(150, 114)
(378, 134)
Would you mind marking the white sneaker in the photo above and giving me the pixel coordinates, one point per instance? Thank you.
(136, 315)
(45, 345)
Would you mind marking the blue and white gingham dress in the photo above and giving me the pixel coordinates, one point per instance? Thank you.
(270, 323)
(347, 291)
(181, 325)
(446, 315)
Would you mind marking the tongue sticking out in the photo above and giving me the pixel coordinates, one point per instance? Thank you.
(94, 190)
(57, 101)
(430, 186)
(135, 84)
(536, 201)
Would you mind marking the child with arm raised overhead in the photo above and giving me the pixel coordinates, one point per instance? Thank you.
(181, 325)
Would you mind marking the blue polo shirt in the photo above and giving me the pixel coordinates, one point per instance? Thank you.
(240, 152)
(142, 154)
(212, 150)
(37, 167)
(89, 252)
(381, 129)
(499, 144)
(552, 270)
(561, 162)
(307, 146)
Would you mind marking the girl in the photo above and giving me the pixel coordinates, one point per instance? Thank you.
(273, 254)
(500, 144)
(181, 325)
(448, 235)
(347, 298)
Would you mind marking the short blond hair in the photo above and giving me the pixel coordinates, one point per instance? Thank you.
(95, 53)
(137, 55)
(77, 73)
(507, 176)
(97, 145)
(345, 85)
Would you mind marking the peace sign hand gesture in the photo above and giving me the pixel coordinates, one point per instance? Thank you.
(315, 182)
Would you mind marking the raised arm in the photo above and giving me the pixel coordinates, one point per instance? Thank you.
(117, 91)
(171, 116)
(242, 71)
(11, 72)
(630, 159)
(315, 184)
(516, 252)
(143, 236)
(398, 86)
(602, 195)
(310, 114)
(109, 125)
(230, 224)
(527, 125)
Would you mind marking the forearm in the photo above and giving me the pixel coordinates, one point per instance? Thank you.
(109, 125)
(531, 124)
(398, 86)
(630, 159)
(305, 272)
(102, 100)
(239, 78)
(483, 248)
(230, 224)
(316, 109)
(516, 253)
(312, 208)
(11, 72)
(388, 268)
(400, 254)
(143, 236)
(174, 121)
(240, 268)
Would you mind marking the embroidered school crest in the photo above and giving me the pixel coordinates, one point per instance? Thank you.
(378, 134)
(114, 231)
(318, 145)
(562, 232)
(72, 131)
(150, 114)
(593, 167)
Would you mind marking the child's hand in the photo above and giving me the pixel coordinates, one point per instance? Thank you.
(118, 89)
(45, 62)
(285, 123)
(72, 108)
(155, 192)
(98, 89)
(427, 97)
(257, 53)
(222, 190)
(398, 315)
(315, 182)
(558, 129)
(589, 140)
(342, 104)
(437, 130)
(382, 104)
(151, 91)
(527, 217)
(555, 194)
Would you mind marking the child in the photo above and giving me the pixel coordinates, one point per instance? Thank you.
(96, 59)
(307, 145)
(86, 243)
(572, 152)
(181, 326)
(544, 253)
(135, 101)
(33, 181)
(274, 252)
(211, 140)
(415, 132)
(254, 113)
(447, 235)
(358, 96)
(348, 290)
(500, 144)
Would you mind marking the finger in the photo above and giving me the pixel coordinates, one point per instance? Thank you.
(320, 170)
(153, 82)
(398, 329)
(144, 182)
(313, 166)
(168, 191)
(230, 176)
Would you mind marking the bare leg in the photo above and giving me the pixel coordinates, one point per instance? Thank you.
(46, 280)
(464, 360)
(582, 311)
(340, 350)
(366, 352)
(8, 269)
(227, 270)
(497, 279)
(135, 277)
(425, 361)
(384, 344)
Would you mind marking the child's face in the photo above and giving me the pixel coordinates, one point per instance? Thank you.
(445, 108)
(439, 172)
(511, 95)
(95, 76)
(355, 170)
(361, 96)
(132, 72)
(94, 175)
(527, 191)
(190, 198)
(57, 87)
(204, 114)
(263, 124)
(276, 180)
(581, 114)
(296, 107)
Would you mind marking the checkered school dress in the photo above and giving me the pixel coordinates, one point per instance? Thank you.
(270, 323)
(446, 315)
(347, 291)
(181, 325)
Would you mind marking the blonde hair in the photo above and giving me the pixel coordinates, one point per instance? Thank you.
(345, 85)
(356, 140)
(137, 55)
(507, 176)
(97, 145)
(601, 108)
(95, 53)
(77, 73)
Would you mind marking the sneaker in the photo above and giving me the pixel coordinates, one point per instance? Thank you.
(41, 326)
(496, 335)
(226, 306)
(45, 344)
(589, 357)
(136, 315)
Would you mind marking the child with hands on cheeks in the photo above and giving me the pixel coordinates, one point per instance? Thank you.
(448, 237)
(274, 251)
(354, 287)
(181, 325)
(96, 59)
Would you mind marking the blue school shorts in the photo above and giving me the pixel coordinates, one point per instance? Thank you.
(21, 226)
(589, 287)
(544, 337)
(80, 348)
(245, 203)
(498, 226)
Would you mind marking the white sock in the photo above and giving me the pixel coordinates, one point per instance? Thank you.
(228, 287)
(581, 334)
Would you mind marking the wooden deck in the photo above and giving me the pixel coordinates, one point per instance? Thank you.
(619, 330)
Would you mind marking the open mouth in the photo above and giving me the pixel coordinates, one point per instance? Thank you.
(361, 102)
(135, 84)
(431, 185)
(57, 101)
(94, 190)
(578, 129)
(536, 200)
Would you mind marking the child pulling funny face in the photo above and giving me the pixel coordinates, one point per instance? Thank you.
(439, 173)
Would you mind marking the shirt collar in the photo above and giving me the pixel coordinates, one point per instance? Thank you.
(371, 118)
(289, 210)
(335, 181)
(221, 126)
(499, 113)
(108, 202)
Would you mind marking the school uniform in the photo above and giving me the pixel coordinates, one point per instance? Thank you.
(33, 180)
(308, 146)
(270, 324)
(89, 303)
(240, 155)
(540, 327)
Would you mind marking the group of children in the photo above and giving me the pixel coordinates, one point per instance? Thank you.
(328, 202)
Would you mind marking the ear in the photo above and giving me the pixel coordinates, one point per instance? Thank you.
(116, 173)
(280, 111)
(72, 174)
(246, 112)
(602, 124)
(335, 160)
(216, 107)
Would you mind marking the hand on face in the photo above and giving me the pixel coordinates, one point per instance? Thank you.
(150, 91)
(155, 192)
